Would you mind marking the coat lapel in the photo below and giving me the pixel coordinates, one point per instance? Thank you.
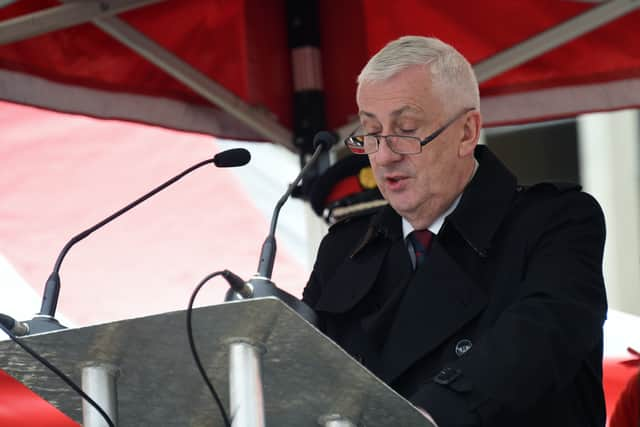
(357, 274)
(440, 299)
(399, 262)
(484, 203)
(352, 280)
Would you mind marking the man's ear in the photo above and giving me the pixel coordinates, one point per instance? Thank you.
(471, 133)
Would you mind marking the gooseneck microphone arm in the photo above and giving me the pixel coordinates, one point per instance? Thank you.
(268, 252)
(260, 285)
(52, 287)
(228, 158)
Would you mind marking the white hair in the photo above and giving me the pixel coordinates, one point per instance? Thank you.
(451, 74)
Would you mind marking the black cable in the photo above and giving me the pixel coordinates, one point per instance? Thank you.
(194, 352)
(59, 373)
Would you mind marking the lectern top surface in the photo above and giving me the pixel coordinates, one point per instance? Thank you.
(305, 374)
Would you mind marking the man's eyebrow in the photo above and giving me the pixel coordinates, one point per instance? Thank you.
(394, 113)
(404, 109)
(367, 114)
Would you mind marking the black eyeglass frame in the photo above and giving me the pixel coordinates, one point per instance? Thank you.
(422, 142)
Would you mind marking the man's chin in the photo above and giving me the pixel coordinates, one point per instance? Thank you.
(402, 207)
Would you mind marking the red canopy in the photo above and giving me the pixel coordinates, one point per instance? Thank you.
(561, 58)
(242, 46)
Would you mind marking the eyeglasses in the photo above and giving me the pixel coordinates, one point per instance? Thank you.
(399, 144)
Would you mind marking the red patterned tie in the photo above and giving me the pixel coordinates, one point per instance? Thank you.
(420, 240)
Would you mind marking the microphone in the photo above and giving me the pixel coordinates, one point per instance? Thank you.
(44, 321)
(260, 285)
(324, 139)
(232, 158)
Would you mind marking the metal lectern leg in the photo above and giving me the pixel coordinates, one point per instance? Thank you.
(99, 382)
(245, 385)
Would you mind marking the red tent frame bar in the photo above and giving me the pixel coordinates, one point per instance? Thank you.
(104, 13)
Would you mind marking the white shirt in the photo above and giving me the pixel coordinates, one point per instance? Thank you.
(434, 228)
(435, 225)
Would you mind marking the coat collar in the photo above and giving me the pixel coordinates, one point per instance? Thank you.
(483, 205)
(485, 202)
(385, 224)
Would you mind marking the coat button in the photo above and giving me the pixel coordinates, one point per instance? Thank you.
(447, 376)
(463, 346)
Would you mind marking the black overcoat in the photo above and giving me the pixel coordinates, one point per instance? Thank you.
(502, 325)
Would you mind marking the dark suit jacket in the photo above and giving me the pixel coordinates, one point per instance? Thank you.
(502, 326)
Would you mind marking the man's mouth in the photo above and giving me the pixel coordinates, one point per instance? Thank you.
(395, 182)
(394, 178)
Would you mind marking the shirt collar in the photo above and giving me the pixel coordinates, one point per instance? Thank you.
(435, 225)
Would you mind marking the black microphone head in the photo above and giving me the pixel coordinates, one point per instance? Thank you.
(325, 139)
(232, 158)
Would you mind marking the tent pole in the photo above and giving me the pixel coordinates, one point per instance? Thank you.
(63, 16)
(102, 15)
(554, 37)
(308, 97)
(257, 120)
(544, 42)
(609, 170)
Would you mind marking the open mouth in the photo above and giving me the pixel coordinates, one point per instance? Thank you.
(394, 179)
(395, 182)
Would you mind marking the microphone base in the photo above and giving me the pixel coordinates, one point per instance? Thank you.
(263, 287)
(43, 323)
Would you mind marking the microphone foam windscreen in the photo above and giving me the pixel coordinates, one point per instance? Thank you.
(232, 158)
(324, 138)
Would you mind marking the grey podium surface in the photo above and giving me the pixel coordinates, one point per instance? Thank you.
(305, 375)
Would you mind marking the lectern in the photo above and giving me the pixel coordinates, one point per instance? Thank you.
(268, 364)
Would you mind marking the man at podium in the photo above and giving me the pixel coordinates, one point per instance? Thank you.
(480, 300)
